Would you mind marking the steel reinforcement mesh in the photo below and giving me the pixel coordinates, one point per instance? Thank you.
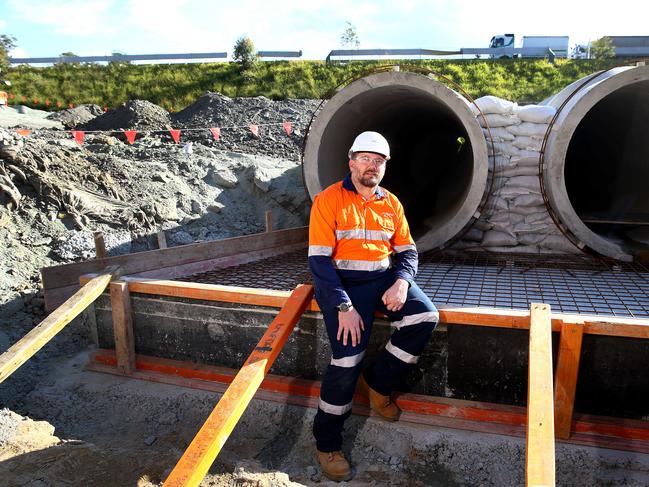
(569, 284)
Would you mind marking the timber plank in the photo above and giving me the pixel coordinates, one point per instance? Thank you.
(42, 333)
(565, 384)
(540, 461)
(206, 445)
(120, 301)
(68, 274)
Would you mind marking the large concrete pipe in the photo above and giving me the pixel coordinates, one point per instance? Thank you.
(596, 163)
(439, 155)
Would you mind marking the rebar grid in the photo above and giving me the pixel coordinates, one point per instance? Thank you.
(569, 284)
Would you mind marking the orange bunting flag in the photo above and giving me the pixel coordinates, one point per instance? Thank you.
(175, 134)
(216, 132)
(70, 105)
(78, 136)
(254, 129)
(59, 104)
(11, 96)
(23, 132)
(35, 101)
(47, 102)
(130, 135)
(23, 98)
(288, 127)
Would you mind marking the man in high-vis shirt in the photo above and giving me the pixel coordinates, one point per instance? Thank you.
(363, 259)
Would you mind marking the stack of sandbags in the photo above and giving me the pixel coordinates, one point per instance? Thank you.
(515, 218)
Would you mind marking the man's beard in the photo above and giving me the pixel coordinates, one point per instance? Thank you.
(370, 180)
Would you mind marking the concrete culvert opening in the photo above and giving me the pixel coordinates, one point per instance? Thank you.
(439, 155)
(598, 163)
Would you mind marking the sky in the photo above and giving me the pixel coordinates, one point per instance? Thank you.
(101, 27)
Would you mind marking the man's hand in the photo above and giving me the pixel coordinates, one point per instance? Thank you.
(352, 323)
(395, 297)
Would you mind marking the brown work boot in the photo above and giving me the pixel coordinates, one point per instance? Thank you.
(334, 465)
(380, 404)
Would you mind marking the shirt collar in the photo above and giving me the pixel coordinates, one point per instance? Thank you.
(348, 185)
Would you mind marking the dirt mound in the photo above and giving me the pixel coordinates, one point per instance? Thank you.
(72, 117)
(132, 115)
(234, 116)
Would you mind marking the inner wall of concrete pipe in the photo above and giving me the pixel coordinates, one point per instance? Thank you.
(439, 179)
(602, 195)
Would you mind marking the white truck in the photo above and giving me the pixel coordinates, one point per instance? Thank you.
(531, 47)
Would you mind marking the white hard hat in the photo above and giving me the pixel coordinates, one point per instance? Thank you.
(370, 142)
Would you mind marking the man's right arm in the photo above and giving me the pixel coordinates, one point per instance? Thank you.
(322, 240)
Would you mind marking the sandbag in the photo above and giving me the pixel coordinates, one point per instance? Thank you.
(526, 158)
(492, 104)
(498, 134)
(524, 211)
(518, 249)
(513, 171)
(498, 239)
(529, 182)
(530, 238)
(473, 235)
(541, 216)
(538, 227)
(558, 243)
(498, 120)
(531, 199)
(524, 142)
(502, 148)
(500, 162)
(535, 113)
(483, 225)
(512, 192)
(528, 129)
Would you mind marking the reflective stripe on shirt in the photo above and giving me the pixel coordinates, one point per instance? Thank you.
(362, 265)
(322, 250)
(360, 234)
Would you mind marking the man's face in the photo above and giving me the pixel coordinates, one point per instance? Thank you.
(367, 168)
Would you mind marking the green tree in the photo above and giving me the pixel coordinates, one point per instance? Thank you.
(349, 37)
(244, 52)
(7, 43)
(602, 48)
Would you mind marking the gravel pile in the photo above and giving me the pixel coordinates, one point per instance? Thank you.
(78, 115)
(132, 115)
(216, 110)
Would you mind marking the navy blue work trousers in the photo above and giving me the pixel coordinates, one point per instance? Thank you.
(414, 324)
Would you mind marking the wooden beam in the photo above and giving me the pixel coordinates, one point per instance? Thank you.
(565, 383)
(204, 448)
(540, 462)
(493, 317)
(269, 221)
(33, 341)
(120, 301)
(68, 274)
(162, 239)
(100, 245)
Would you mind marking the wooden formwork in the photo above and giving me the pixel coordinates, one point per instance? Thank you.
(151, 273)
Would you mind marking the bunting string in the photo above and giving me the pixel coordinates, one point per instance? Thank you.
(79, 135)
